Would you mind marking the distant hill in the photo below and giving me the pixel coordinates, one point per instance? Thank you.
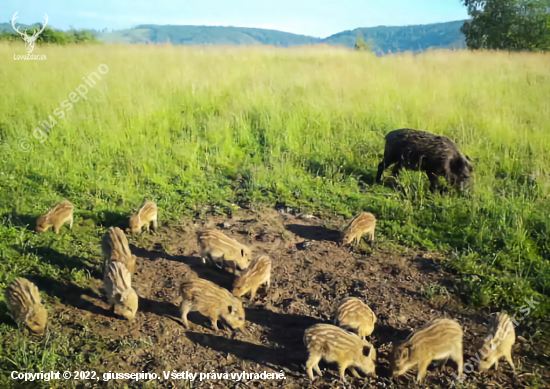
(6, 27)
(204, 35)
(383, 39)
(407, 38)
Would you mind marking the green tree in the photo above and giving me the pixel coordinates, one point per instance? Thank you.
(360, 44)
(53, 36)
(84, 36)
(508, 24)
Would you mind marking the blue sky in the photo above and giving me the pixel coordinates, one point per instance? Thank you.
(319, 18)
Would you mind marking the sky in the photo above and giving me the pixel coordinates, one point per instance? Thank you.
(318, 18)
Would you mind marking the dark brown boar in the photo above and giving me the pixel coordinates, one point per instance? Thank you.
(421, 150)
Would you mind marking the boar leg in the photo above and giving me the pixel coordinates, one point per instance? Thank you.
(458, 358)
(396, 170)
(508, 357)
(185, 307)
(233, 266)
(489, 362)
(211, 261)
(343, 368)
(253, 293)
(214, 323)
(313, 363)
(371, 238)
(354, 372)
(422, 368)
(381, 168)
(316, 367)
(434, 182)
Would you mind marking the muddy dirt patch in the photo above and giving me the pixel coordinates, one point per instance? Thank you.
(311, 274)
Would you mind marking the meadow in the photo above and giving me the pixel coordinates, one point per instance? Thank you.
(214, 129)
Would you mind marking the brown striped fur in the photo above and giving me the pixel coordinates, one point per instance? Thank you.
(354, 315)
(211, 301)
(223, 251)
(25, 305)
(145, 216)
(115, 248)
(121, 295)
(439, 340)
(498, 344)
(334, 344)
(257, 273)
(364, 224)
(60, 214)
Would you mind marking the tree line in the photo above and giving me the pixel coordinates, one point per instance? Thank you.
(53, 36)
(515, 25)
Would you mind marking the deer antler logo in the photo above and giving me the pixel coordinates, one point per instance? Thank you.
(29, 40)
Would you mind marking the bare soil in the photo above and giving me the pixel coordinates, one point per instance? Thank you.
(311, 274)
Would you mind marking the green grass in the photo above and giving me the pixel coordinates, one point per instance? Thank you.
(303, 127)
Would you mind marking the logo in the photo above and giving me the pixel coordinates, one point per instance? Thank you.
(25, 145)
(29, 40)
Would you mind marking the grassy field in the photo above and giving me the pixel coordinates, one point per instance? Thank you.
(304, 128)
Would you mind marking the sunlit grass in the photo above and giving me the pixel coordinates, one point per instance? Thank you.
(304, 127)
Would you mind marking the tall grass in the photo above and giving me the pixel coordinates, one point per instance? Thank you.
(304, 127)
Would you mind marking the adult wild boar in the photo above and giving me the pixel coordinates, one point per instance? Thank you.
(420, 150)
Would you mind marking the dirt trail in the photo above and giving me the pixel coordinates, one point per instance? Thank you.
(311, 274)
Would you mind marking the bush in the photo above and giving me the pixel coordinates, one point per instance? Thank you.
(361, 45)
